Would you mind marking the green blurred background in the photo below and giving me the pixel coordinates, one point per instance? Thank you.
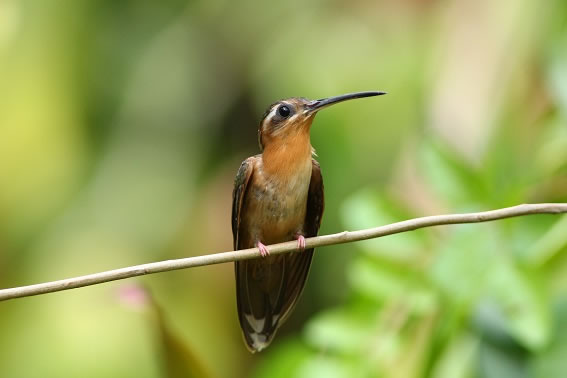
(122, 125)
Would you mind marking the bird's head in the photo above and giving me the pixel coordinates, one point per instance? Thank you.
(290, 117)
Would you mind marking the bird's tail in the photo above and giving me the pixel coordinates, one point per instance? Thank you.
(267, 290)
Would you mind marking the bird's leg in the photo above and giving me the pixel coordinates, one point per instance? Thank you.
(263, 249)
(300, 242)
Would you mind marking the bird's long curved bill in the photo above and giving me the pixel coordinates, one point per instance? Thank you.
(317, 105)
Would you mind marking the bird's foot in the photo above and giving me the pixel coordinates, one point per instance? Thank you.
(263, 249)
(300, 242)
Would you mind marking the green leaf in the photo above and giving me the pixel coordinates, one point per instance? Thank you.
(342, 330)
(384, 282)
(450, 176)
(552, 151)
(471, 269)
(368, 208)
(523, 304)
(550, 244)
(495, 362)
(331, 367)
(283, 359)
(551, 362)
(458, 357)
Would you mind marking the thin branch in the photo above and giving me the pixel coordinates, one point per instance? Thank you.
(319, 241)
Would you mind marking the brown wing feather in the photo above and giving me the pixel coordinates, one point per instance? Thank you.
(240, 186)
(315, 201)
(268, 289)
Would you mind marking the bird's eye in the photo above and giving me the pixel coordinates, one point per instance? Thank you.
(284, 111)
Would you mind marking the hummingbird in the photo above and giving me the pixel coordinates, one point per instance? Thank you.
(278, 197)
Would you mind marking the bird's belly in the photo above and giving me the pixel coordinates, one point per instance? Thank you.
(276, 214)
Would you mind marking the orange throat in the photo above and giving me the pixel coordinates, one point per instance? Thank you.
(286, 156)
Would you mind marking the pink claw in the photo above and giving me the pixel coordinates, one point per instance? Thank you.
(263, 250)
(301, 242)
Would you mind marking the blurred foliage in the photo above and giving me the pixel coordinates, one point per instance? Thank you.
(123, 123)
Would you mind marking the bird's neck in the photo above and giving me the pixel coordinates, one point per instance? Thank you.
(287, 157)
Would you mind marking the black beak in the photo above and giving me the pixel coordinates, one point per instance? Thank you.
(316, 105)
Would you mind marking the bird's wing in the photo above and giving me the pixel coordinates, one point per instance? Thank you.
(268, 289)
(240, 185)
(315, 202)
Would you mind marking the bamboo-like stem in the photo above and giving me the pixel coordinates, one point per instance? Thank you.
(275, 249)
